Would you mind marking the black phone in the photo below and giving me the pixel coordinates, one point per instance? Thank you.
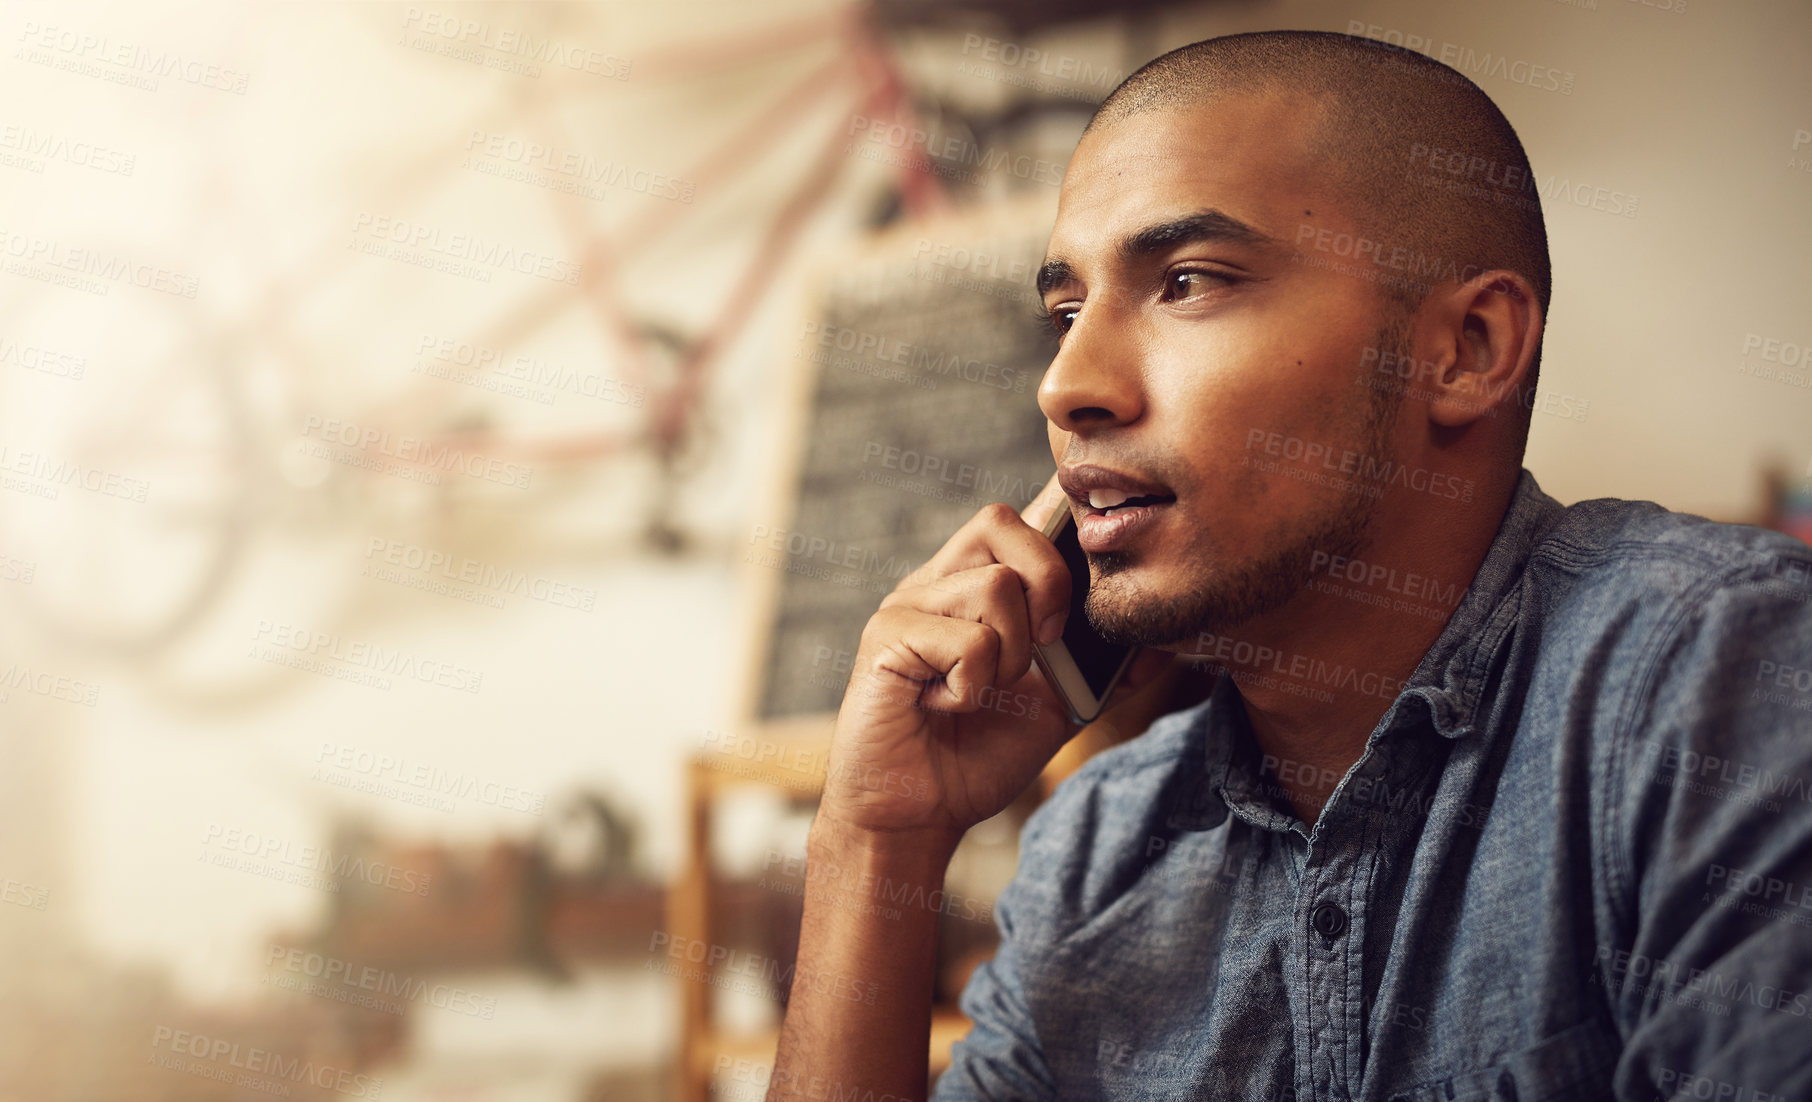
(1082, 666)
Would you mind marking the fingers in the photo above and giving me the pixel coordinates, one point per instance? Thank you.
(966, 621)
(993, 595)
(997, 534)
(937, 662)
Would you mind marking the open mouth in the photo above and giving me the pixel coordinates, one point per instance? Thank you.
(1107, 503)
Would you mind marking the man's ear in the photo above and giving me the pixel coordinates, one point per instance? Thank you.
(1485, 332)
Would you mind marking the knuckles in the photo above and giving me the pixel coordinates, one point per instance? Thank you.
(998, 583)
(998, 513)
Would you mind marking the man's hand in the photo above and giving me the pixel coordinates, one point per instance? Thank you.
(947, 718)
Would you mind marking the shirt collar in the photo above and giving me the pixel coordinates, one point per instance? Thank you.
(1452, 673)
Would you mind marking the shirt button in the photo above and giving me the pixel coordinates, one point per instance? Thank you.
(1329, 921)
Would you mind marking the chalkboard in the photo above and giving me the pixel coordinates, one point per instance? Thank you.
(919, 359)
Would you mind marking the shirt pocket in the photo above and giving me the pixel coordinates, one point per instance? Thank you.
(1576, 1063)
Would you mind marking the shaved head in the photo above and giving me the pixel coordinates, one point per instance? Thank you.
(1425, 161)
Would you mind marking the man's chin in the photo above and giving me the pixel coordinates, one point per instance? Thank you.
(1134, 611)
(1134, 616)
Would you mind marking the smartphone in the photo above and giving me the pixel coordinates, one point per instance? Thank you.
(1082, 666)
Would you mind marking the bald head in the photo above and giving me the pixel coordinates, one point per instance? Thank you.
(1423, 158)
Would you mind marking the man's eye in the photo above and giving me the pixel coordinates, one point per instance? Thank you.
(1191, 282)
(1062, 318)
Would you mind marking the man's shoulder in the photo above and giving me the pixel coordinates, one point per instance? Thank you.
(1651, 630)
(1098, 824)
(1640, 600)
(1643, 551)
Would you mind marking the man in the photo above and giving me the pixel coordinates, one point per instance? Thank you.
(1494, 798)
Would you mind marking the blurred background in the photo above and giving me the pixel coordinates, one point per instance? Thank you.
(448, 450)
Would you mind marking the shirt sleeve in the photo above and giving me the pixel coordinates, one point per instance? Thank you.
(1000, 1058)
(1712, 989)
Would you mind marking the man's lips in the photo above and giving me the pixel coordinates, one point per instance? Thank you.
(1106, 529)
(1112, 505)
(1098, 489)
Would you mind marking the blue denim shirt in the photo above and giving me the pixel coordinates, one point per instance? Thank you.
(1573, 862)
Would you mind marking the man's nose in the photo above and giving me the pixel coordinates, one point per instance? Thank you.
(1095, 380)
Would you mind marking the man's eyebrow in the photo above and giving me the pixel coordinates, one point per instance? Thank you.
(1054, 273)
(1202, 226)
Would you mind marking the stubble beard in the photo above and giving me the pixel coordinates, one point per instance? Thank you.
(1219, 598)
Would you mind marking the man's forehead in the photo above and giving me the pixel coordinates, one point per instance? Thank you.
(1248, 156)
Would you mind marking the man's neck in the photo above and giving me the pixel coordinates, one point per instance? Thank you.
(1374, 619)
